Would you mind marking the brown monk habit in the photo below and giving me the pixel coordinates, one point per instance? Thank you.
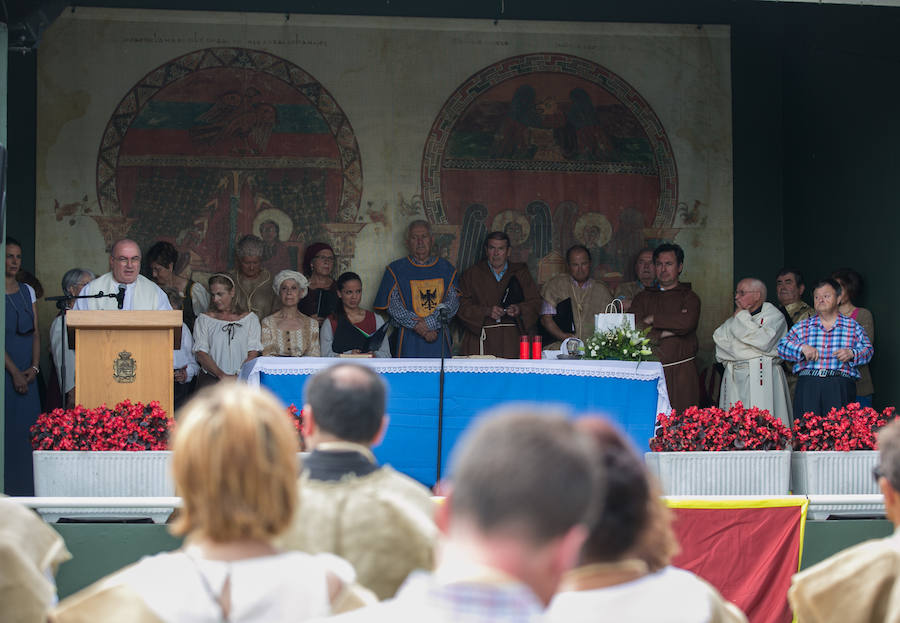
(677, 311)
(479, 291)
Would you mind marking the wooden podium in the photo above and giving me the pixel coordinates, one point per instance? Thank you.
(124, 354)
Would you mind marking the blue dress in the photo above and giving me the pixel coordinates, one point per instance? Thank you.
(21, 409)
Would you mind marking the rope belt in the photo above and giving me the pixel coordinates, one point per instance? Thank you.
(677, 363)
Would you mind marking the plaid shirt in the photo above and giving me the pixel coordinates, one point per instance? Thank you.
(423, 599)
(846, 333)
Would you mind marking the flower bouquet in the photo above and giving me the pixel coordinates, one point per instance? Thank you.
(622, 343)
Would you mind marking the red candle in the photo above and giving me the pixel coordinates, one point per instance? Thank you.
(524, 347)
(537, 347)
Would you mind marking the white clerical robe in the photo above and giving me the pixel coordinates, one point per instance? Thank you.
(746, 343)
(142, 294)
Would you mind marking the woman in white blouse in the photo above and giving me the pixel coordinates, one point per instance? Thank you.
(234, 462)
(288, 332)
(225, 337)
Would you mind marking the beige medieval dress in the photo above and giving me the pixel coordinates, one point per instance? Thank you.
(860, 585)
(382, 523)
(29, 551)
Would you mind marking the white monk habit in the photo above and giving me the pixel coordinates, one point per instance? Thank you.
(746, 344)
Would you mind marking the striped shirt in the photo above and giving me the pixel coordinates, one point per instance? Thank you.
(846, 333)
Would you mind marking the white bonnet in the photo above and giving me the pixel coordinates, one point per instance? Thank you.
(284, 275)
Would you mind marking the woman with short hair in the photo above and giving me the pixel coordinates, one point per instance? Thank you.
(225, 337)
(166, 268)
(321, 298)
(288, 332)
(72, 282)
(234, 461)
(851, 288)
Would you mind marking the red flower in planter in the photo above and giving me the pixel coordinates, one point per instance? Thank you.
(127, 426)
(849, 428)
(716, 430)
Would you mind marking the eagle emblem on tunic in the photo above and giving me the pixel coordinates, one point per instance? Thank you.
(426, 295)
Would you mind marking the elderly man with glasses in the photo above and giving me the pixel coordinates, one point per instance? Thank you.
(124, 277)
(859, 583)
(747, 345)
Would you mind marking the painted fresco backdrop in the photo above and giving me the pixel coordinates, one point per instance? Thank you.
(198, 128)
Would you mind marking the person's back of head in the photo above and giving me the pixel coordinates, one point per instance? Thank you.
(234, 460)
(888, 470)
(522, 468)
(522, 481)
(633, 523)
(347, 401)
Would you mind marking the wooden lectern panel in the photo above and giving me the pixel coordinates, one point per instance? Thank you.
(124, 354)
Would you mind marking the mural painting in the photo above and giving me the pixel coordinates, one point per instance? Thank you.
(554, 150)
(224, 142)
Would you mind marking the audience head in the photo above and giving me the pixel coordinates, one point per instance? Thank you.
(578, 260)
(634, 522)
(249, 253)
(851, 284)
(125, 261)
(345, 402)
(644, 267)
(668, 260)
(318, 259)
(496, 249)
(75, 279)
(750, 294)
(161, 258)
(290, 286)
(419, 240)
(523, 480)
(221, 294)
(826, 295)
(349, 290)
(888, 470)
(789, 285)
(234, 460)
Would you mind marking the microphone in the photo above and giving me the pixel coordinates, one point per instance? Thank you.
(120, 297)
(443, 311)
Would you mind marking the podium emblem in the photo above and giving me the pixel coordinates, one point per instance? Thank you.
(124, 368)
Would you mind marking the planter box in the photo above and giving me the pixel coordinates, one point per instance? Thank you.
(102, 474)
(827, 472)
(751, 472)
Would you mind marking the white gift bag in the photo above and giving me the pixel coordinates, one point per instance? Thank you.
(613, 318)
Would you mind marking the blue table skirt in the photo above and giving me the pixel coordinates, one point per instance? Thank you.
(410, 444)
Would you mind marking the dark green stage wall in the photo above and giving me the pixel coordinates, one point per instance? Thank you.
(814, 94)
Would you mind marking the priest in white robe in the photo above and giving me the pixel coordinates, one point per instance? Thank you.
(747, 344)
(136, 292)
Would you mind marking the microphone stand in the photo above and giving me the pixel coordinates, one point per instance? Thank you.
(442, 317)
(62, 304)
